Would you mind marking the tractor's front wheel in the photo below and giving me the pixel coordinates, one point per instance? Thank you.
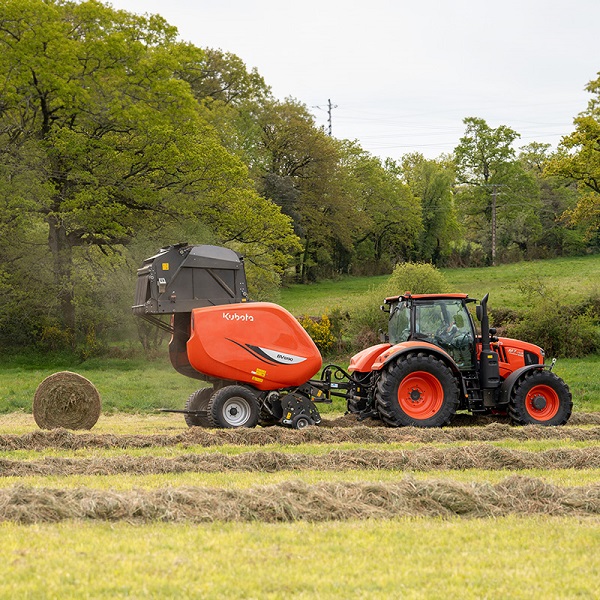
(198, 401)
(540, 398)
(233, 406)
(417, 390)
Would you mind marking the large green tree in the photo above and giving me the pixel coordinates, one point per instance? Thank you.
(433, 181)
(498, 199)
(557, 198)
(578, 161)
(390, 212)
(95, 108)
(300, 172)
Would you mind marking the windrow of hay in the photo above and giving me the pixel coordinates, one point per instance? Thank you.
(459, 420)
(479, 456)
(585, 419)
(296, 501)
(196, 436)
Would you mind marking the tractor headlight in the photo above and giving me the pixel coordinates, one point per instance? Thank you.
(531, 358)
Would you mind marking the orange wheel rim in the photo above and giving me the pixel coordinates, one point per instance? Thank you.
(542, 402)
(420, 395)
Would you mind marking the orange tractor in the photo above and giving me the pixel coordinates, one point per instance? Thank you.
(260, 361)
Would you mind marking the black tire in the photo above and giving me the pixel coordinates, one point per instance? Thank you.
(233, 406)
(540, 398)
(418, 390)
(198, 401)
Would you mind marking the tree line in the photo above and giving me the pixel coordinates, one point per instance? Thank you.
(117, 138)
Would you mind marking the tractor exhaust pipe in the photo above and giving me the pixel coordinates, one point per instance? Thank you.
(489, 372)
(482, 315)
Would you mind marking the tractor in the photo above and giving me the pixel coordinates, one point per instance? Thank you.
(260, 363)
(433, 363)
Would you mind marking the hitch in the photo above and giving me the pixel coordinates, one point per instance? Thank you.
(194, 413)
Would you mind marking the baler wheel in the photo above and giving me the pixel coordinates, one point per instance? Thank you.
(540, 398)
(417, 390)
(198, 401)
(301, 421)
(233, 406)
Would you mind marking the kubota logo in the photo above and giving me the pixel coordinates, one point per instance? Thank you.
(237, 317)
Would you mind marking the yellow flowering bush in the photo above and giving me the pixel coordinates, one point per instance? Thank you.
(320, 330)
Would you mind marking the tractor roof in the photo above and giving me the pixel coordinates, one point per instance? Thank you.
(408, 295)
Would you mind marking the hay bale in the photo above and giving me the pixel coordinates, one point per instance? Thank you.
(66, 400)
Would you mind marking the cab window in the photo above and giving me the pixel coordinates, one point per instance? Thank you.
(446, 323)
(399, 324)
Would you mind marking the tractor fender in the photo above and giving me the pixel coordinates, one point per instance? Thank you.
(404, 347)
(509, 383)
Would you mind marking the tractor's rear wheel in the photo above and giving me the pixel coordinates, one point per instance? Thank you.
(540, 398)
(418, 390)
(196, 402)
(233, 406)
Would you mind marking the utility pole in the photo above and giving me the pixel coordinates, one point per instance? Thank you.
(494, 194)
(330, 107)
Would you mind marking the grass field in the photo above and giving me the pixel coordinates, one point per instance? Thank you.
(363, 532)
(143, 507)
(398, 558)
(572, 277)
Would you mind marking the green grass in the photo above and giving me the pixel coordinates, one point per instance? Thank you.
(317, 298)
(143, 386)
(125, 385)
(582, 375)
(510, 557)
(135, 385)
(573, 277)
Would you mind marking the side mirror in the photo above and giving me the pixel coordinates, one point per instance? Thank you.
(479, 312)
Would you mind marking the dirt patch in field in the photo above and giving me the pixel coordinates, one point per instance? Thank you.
(361, 434)
(296, 501)
(478, 456)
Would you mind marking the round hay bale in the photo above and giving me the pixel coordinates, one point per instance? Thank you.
(66, 400)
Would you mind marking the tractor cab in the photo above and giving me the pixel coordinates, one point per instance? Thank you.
(442, 320)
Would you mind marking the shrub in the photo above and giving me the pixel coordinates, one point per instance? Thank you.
(559, 330)
(320, 330)
(417, 278)
(564, 330)
(367, 318)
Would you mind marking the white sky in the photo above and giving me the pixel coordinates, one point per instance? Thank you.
(404, 73)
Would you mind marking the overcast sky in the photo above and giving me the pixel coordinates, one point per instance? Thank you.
(402, 74)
